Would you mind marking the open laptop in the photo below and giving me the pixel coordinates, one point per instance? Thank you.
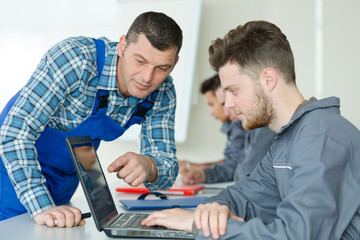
(101, 203)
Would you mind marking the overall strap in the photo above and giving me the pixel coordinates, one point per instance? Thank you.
(100, 55)
(101, 95)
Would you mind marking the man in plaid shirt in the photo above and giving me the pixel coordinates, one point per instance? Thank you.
(95, 87)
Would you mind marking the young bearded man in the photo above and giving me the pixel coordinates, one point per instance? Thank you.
(307, 186)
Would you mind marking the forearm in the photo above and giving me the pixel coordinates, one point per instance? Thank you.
(37, 199)
(202, 165)
(152, 170)
(254, 229)
(165, 162)
(245, 198)
(25, 175)
(167, 170)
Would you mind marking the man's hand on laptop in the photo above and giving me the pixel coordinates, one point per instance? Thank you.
(175, 218)
(134, 168)
(61, 216)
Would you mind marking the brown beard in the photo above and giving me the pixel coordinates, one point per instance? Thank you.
(264, 116)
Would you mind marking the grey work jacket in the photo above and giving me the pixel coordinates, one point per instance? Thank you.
(307, 186)
(233, 154)
(244, 150)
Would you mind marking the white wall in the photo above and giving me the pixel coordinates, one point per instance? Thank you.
(338, 65)
(29, 28)
(326, 57)
(341, 55)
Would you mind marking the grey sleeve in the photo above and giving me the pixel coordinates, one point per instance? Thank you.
(315, 198)
(233, 153)
(244, 199)
(238, 230)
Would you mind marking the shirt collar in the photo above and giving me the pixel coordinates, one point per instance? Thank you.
(108, 79)
(304, 103)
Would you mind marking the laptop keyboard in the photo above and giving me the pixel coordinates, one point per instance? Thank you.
(130, 220)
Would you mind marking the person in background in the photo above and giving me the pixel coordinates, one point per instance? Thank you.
(221, 170)
(95, 87)
(244, 150)
(307, 186)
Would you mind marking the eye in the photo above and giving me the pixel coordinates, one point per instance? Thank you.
(139, 61)
(163, 69)
(233, 91)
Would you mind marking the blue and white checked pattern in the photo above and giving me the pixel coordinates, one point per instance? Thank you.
(60, 95)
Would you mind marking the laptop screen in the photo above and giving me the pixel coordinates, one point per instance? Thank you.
(100, 200)
(93, 181)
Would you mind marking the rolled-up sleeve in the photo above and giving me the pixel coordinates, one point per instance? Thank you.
(158, 139)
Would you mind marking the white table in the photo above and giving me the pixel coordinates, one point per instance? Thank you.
(23, 227)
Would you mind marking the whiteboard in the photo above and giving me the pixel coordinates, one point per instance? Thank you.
(29, 28)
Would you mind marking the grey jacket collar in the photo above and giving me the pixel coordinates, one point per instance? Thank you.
(309, 107)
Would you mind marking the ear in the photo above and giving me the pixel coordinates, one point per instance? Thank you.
(269, 78)
(176, 60)
(122, 45)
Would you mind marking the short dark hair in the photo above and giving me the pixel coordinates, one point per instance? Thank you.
(210, 84)
(161, 31)
(254, 46)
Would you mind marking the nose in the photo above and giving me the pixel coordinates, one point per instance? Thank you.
(229, 102)
(148, 73)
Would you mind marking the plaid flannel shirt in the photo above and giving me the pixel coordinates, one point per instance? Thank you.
(60, 95)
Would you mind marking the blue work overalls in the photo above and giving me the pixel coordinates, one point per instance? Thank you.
(53, 155)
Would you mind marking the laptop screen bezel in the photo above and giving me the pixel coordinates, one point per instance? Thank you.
(86, 140)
